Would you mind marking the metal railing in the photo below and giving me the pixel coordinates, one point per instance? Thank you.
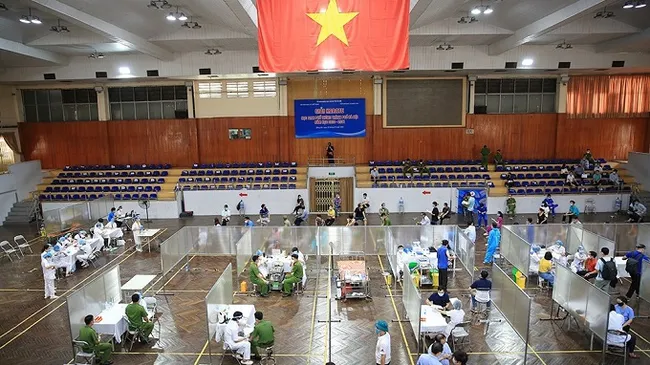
(337, 161)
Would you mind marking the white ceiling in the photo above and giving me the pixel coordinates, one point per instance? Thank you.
(225, 26)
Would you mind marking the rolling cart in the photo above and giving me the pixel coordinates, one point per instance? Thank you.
(352, 280)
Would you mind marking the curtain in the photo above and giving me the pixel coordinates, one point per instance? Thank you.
(626, 96)
(10, 138)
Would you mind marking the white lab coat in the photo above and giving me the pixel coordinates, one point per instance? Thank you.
(534, 261)
(84, 253)
(225, 214)
(578, 263)
(49, 274)
(470, 231)
(425, 221)
(135, 227)
(230, 335)
(456, 316)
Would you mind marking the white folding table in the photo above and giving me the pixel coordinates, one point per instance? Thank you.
(148, 234)
(137, 284)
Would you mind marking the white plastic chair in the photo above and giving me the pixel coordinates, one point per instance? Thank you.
(8, 250)
(130, 335)
(21, 243)
(460, 335)
(615, 348)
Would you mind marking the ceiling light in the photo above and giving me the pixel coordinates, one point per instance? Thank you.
(3, 7)
(176, 16)
(476, 11)
(527, 62)
(640, 4)
(124, 70)
(212, 52)
(59, 28)
(467, 20)
(182, 17)
(488, 10)
(29, 18)
(628, 5)
(604, 14)
(159, 4)
(96, 55)
(171, 17)
(445, 47)
(564, 45)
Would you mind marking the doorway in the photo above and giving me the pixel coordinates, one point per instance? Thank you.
(323, 191)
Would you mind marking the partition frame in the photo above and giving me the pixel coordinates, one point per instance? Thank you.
(227, 271)
(471, 252)
(408, 286)
(517, 254)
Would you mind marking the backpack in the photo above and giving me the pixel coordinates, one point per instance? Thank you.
(239, 205)
(609, 269)
(631, 265)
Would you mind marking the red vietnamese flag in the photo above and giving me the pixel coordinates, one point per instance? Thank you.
(305, 35)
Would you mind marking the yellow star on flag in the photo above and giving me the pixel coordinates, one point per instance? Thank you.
(332, 22)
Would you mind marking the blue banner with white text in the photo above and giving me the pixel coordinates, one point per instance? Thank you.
(330, 118)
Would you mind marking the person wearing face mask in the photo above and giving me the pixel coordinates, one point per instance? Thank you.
(400, 261)
(234, 341)
(382, 350)
(225, 215)
(470, 232)
(443, 262)
(49, 273)
(446, 353)
(615, 323)
(573, 212)
(456, 316)
(494, 238)
(433, 355)
(439, 299)
(626, 311)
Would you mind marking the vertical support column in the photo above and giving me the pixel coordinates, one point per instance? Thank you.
(470, 101)
(377, 95)
(103, 111)
(190, 99)
(561, 94)
(283, 97)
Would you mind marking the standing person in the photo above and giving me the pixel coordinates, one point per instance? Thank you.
(294, 277)
(470, 232)
(498, 159)
(88, 335)
(337, 204)
(264, 215)
(443, 263)
(382, 350)
(263, 335)
(257, 278)
(550, 204)
(234, 341)
(481, 211)
(136, 227)
(241, 207)
(511, 205)
(573, 212)
(541, 216)
(225, 215)
(471, 204)
(633, 267)
(445, 213)
(435, 214)
(485, 153)
(494, 238)
(329, 153)
(383, 210)
(49, 273)
(605, 270)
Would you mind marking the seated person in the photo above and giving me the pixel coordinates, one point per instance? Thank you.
(234, 342)
(598, 176)
(571, 180)
(482, 287)
(248, 222)
(578, 263)
(374, 174)
(446, 353)
(636, 212)
(579, 171)
(422, 168)
(301, 217)
(385, 221)
(294, 277)
(264, 215)
(615, 323)
(90, 336)
(263, 335)
(432, 357)
(456, 316)
(286, 222)
(350, 221)
(331, 216)
(359, 213)
(626, 311)
(598, 167)
(424, 221)
(510, 180)
(139, 318)
(536, 256)
(319, 221)
(148, 302)
(589, 266)
(84, 252)
(439, 300)
(564, 171)
(257, 278)
(546, 268)
(614, 178)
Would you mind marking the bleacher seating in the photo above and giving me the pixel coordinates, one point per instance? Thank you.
(262, 175)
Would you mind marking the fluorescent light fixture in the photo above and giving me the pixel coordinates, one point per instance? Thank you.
(36, 20)
(640, 4)
(527, 62)
(182, 17)
(24, 19)
(488, 10)
(124, 70)
(628, 5)
(171, 17)
(476, 11)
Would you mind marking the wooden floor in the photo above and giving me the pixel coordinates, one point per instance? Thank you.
(35, 331)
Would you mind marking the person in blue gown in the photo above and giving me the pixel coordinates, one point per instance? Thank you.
(494, 238)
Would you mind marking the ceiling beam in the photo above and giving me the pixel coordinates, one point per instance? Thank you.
(21, 49)
(104, 28)
(246, 12)
(615, 45)
(418, 7)
(545, 25)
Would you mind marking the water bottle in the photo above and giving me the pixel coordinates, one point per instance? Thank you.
(141, 229)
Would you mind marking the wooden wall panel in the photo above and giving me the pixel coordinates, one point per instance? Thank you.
(268, 139)
(607, 138)
(64, 143)
(153, 141)
(331, 88)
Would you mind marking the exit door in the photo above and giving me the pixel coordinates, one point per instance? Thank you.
(323, 191)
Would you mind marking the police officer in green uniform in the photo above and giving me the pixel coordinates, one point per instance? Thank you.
(408, 168)
(257, 278)
(293, 278)
(88, 334)
(422, 168)
(139, 318)
(511, 204)
(485, 153)
(498, 159)
(263, 334)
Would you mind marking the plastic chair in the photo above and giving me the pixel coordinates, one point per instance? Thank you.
(22, 243)
(8, 250)
(460, 335)
(615, 348)
(79, 353)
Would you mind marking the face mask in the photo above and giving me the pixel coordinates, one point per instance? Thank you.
(377, 331)
(400, 250)
(619, 304)
(441, 293)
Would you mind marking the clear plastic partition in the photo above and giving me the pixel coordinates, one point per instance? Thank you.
(590, 241)
(644, 289)
(562, 286)
(407, 236)
(93, 298)
(597, 315)
(391, 252)
(175, 248)
(575, 291)
(444, 233)
(264, 237)
(99, 208)
(541, 235)
(604, 242)
(52, 220)
(244, 249)
(515, 249)
(511, 301)
(376, 238)
(348, 240)
(574, 240)
(607, 230)
(642, 237)
(412, 303)
(219, 298)
(465, 251)
(211, 240)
